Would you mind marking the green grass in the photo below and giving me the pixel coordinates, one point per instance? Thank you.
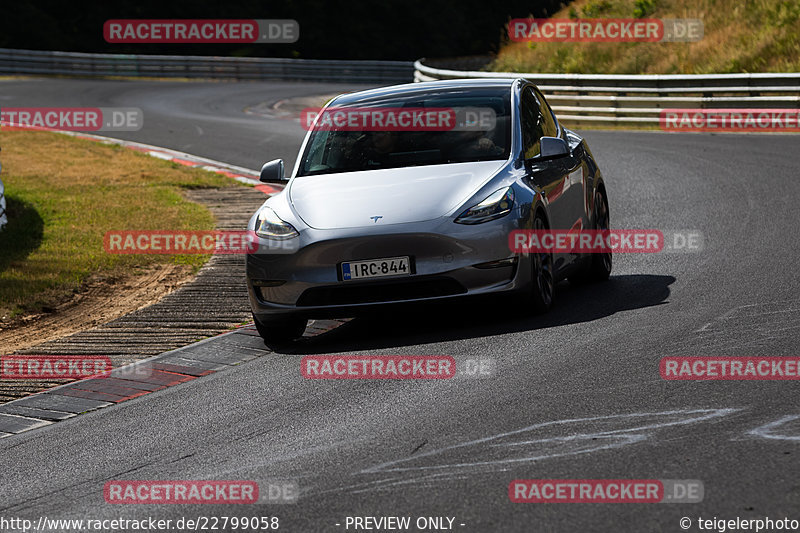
(739, 36)
(63, 195)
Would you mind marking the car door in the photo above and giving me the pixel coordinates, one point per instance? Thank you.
(573, 191)
(558, 178)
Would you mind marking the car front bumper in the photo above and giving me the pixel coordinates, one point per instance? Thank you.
(463, 260)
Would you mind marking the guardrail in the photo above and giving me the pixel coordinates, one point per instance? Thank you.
(588, 98)
(38, 62)
(3, 215)
(639, 99)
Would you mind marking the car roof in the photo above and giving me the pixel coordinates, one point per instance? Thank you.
(410, 88)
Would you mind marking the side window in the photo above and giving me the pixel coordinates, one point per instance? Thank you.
(549, 125)
(530, 122)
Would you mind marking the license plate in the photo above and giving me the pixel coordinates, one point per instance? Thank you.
(376, 268)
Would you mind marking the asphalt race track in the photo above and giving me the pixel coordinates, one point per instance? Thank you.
(575, 394)
(218, 120)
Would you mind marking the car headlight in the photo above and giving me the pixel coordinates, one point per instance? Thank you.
(496, 205)
(270, 226)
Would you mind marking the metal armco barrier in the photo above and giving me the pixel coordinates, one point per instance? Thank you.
(627, 99)
(35, 62)
(587, 98)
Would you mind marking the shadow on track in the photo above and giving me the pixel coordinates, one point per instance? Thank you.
(411, 324)
(22, 235)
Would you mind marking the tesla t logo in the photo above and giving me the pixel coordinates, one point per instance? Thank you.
(375, 218)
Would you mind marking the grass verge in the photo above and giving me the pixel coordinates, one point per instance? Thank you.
(65, 193)
(739, 36)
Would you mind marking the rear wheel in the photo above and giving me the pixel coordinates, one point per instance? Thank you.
(599, 267)
(280, 330)
(542, 274)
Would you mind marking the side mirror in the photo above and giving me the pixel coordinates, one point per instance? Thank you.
(552, 147)
(272, 172)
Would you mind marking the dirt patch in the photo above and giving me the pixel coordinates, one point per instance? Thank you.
(98, 301)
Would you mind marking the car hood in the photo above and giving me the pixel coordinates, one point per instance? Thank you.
(397, 195)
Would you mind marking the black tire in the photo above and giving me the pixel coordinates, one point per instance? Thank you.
(543, 286)
(280, 330)
(599, 264)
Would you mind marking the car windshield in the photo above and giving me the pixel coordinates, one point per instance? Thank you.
(418, 128)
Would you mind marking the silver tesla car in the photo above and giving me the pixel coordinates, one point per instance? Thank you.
(419, 205)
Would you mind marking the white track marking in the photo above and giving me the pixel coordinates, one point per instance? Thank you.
(767, 430)
(550, 447)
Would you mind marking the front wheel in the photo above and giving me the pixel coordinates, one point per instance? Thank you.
(542, 275)
(280, 330)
